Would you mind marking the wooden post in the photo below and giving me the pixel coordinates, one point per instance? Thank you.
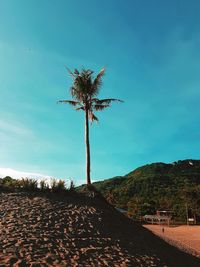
(186, 206)
(195, 221)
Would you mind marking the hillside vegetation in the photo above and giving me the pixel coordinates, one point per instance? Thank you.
(156, 186)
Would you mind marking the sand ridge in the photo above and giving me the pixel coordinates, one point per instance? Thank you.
(39, 230)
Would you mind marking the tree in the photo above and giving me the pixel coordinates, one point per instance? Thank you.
(192, 197)
(84, 91)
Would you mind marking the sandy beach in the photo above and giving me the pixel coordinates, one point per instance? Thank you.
(185, 237)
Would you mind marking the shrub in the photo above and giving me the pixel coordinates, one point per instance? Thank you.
(58, 186)
(8, 184)
(72, 186)
(43, 185)
(28, 184)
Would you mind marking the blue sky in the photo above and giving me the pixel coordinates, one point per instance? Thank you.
(151, 53)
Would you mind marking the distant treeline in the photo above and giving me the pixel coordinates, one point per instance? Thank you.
(8, 184)
(156, 186)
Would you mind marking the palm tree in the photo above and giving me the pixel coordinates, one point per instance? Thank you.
(84, 92)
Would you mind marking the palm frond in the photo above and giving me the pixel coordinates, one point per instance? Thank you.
(73, 91)
(70, 102)
(80, 87)
(101, 73)
(92, 117)
(85, 89)
(76, 72)
(105, 101)
(97, 82)
(88, 72)
(79, 108)
(71, 73)
(99, 107)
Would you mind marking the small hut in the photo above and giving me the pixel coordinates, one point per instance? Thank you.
(161, 217)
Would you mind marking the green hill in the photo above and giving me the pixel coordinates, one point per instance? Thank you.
(156, 186)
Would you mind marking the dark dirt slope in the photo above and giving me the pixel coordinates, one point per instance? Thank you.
(79, 230)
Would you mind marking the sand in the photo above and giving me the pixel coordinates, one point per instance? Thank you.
(77, 230)
(185, 237)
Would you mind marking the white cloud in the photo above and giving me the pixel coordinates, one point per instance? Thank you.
(37, 176)
(20, 174)
(15, 128)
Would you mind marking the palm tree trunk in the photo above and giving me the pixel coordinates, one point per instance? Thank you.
(87, 143)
